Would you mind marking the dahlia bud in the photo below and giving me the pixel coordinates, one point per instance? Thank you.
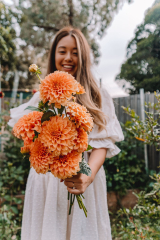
(33, 68)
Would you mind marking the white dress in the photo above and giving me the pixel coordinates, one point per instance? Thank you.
(45, 213)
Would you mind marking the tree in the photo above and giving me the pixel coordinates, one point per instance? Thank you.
(45, 18)
(142, 68)
(9, 19)
(7, 35)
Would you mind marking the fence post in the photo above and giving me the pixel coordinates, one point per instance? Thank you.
(100, 82)
(20, 98)
(143, 119)
(15, 86)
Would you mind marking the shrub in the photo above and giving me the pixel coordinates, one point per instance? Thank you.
(14, 172)
(143, 221)
(127, 169)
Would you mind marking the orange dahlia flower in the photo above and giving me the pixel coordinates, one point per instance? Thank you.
(27, 145)
(25, 149)
(27, 124)
(57, 88)
(27, 142)
(40, 158)
(58, 135)
(81, 142)
(66, 166)
(80, 115)
(81, 89)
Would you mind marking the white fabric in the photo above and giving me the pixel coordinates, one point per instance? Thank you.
(113, 132)
(45, 214)
(20, 111)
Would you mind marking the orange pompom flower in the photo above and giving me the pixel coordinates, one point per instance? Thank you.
(66, 166)
(25, 149)
(40, 158)
(57, 88)
(58, 135)
(81, 142)
(27, 144)
(81, 89)
(27, 124)
(80, 115)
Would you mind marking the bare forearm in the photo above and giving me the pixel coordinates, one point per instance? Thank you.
(96, 160)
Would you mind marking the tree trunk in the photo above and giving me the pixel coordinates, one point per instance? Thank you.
(70, 5)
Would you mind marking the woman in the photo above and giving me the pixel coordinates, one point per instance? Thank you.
(45, 215)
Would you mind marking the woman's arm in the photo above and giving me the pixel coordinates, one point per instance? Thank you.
(82, 181)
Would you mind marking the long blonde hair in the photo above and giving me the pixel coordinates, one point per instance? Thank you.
(92, 98)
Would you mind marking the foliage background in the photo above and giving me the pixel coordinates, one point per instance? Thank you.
(142, 67)
(127, 169)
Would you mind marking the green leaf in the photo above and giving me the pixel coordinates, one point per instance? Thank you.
(46, 116)
(84, 168)
(1, 184)
(32, 108)
(51, 110)
(14, 209)
(7, 198)
(89, 148)
(17, 200)
(36, 135)
(46, 105)
(26, 156)
(60, 111)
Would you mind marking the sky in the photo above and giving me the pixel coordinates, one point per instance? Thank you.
(114, 44)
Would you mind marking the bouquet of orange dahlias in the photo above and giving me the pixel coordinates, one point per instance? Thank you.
(55, 134)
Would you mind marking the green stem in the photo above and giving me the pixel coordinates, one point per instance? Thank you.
(82, 196)
(68, 195)
(73, 199)
(65, 112)
(70, 207)
(78, 202)
(52, 104)
(38, 77)
(81, 205)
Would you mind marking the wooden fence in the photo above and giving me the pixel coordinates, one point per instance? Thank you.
(133, 101)
(6, 102)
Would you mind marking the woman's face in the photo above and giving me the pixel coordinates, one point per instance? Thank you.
(66, 55)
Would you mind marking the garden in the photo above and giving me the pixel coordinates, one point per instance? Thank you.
(133, 187)
(125, 173)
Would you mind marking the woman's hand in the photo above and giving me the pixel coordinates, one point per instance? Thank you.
(79, 182)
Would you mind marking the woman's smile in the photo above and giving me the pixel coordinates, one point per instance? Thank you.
(68, 67)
